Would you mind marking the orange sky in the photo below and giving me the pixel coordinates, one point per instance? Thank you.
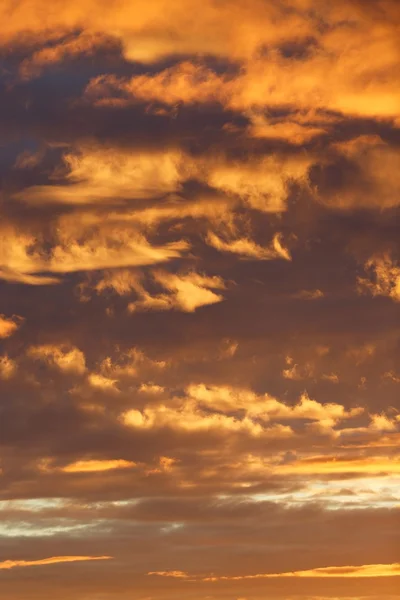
(199, 300)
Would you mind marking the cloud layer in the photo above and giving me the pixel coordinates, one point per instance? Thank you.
(199, 300)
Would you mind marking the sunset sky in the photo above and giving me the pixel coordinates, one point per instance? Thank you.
(199, 300)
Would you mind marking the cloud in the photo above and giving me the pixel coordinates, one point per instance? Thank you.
(225, 409)
(310, 294)
(96, 380)
(24, 258)
(90, 466)
(369, 178)
(93, 174)
(249, 249)
(263, 184)
(65, 358)
(103, 174)
(186, 82)
(320, 465)
(199, 231)
(11, 564)
(9, 325)
(142, 28)
(268, 408)
(185, 292)
(384, 278)
(8, 367)
(274, 79)
(392, 570)
(82, 45)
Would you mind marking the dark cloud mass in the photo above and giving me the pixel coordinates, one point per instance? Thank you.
(199, 300)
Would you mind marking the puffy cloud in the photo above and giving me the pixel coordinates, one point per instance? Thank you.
(8, 367)
(189, 418)
(275, 79)
(65, 358)
(384, 279)
(224, 408)
(9, 325)
(98, 381)
(133, 363)
(142, 27)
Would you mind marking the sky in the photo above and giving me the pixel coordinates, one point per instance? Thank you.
(199, 300)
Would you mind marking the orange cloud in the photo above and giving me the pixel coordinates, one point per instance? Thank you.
(384, 278)
(176, 574)
(391, 570)
(262, 184)
(8, 326)
(98, 381)
(8, 367)
(79, 247)
(222, 409)
(268, 408)
(236, 30)
(96, 466)
(384, 570)
(107, 174)
(248, 249)
(333, 76)
(96, 173)
(11, 564)
(375, 169)
(184, 292)
(66, 358)
(85, 44)
(323, 465)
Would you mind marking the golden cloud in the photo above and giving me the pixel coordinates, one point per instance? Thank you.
(24, 259)
(11, 564)
(85, 44)
(322, 465)
(106, 174)
(9, 325)
(247, 248)
(185, 292)
(96, 466)
(65, 358)
(97, 380)
(384, 570)
(142, 27)
(384, 278)
(8, 367)
(222, 409)
(332, 76)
